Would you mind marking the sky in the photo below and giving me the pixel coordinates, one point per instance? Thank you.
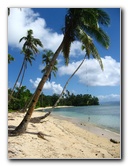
(46, 24)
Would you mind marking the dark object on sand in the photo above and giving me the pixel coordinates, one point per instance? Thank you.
(114, 141)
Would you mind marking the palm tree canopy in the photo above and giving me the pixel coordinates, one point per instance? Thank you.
(87, 21)
(30, 46)
(31, 43)
(47, 56)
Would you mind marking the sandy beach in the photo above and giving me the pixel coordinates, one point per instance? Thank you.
(61, 139)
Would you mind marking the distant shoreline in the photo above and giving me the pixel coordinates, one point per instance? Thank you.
(50, 107)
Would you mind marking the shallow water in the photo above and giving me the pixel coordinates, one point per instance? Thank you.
(107, 117)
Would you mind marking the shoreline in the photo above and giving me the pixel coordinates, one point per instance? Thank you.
(50, 107)
(63, 140)
(99, 131)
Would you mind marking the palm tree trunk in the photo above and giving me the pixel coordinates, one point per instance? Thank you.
(16, 80)
(24, 123)
(68, 82)
(25, 66)
(22, 78)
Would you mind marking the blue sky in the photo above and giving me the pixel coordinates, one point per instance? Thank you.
(46, 24)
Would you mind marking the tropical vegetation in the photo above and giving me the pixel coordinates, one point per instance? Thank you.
(23, 95)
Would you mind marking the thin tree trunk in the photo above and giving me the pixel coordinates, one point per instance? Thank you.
(25, 66)
(68, 82)
(24, 123)
(16, 80)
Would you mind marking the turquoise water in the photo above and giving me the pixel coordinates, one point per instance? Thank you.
(107, 117)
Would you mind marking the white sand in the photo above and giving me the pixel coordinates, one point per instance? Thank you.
(64, 140)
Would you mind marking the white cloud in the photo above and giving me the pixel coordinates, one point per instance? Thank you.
(56, 88)
(36, 82)
(22, 20)
(76, 49)
(91, 74)
(111, 97)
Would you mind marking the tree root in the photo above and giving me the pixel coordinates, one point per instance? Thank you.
(38, 119)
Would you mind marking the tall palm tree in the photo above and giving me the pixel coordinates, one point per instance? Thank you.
(77, 22)
(29, 49)
(47, 56)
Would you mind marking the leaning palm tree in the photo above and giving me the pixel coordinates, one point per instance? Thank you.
(90, 50)
(77, 23)
(29, 49)
(46, 59)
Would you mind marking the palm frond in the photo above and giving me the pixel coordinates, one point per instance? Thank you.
(96, 55)
(23, 38)
(88, 45)
(66, 50)
(88, 17)
(100, 36)
(103, 17)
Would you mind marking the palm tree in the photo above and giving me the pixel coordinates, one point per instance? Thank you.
(77, 23)
(31, 43)
(10, 58)
(90, 50)
(47, 56)
(29, 49)
(46, 59)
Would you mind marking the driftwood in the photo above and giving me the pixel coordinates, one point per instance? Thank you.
(114, 141)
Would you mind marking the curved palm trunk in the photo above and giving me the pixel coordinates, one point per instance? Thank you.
(68, 82)
(24, 123)
(17, 80)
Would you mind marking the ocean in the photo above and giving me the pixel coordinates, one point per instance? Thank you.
(103, 116)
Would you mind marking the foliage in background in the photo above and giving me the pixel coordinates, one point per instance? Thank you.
(23, 95)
